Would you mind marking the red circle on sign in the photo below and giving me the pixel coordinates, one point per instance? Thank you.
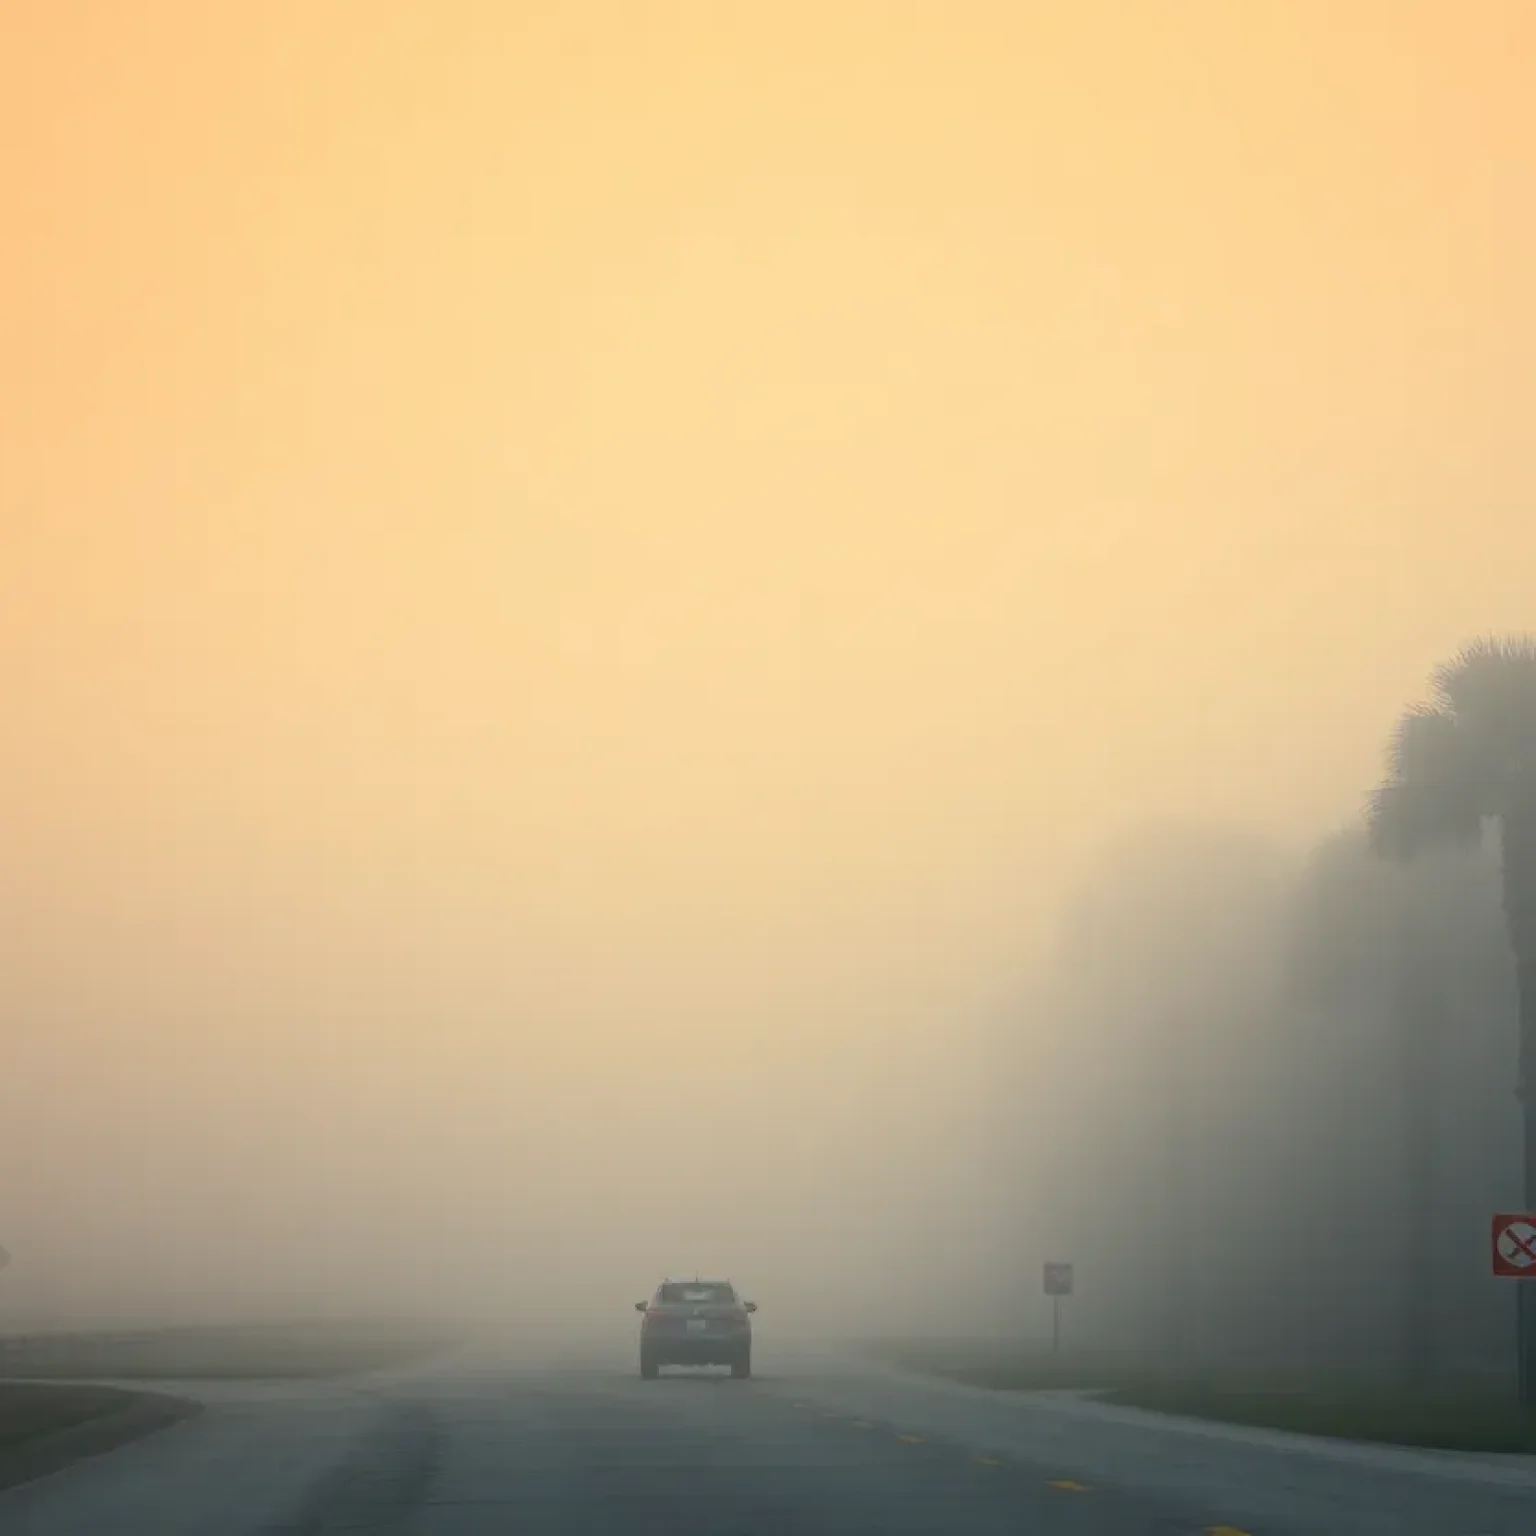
(1514, 1245)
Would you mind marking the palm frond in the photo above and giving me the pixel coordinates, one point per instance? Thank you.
(1405, 817)
(1489, 690)
(1426, 747)
(1493, 671)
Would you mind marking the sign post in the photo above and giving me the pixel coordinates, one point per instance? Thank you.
(1058, 1283)
(1514, 1245)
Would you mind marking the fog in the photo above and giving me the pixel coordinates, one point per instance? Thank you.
(1277, 1108)
(692, 638)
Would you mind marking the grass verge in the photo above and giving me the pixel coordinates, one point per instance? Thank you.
(1456, 1417)
(1470, 1415)
(1006, 1366)
(28, 1410)
(252, 1352)
(44, 1428)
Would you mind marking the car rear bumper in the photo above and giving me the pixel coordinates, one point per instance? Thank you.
(697, 1349)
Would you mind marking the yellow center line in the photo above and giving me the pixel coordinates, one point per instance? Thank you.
(862, 1424)
(988, 1461)
(1066, 1485)
(1224, 1530)
(910, 1439)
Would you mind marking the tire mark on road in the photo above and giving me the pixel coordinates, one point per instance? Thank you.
(381, 1483)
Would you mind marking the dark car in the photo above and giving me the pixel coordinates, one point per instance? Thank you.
(695, 1322)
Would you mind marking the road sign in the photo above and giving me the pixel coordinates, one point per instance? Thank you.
(1058, 1279)
(1514, 1245)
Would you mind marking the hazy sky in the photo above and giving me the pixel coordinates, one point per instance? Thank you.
(576, 577)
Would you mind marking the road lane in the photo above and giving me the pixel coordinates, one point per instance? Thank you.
(482, 1444)
(1261, 1480)
(555, 1451)
(697, 1455)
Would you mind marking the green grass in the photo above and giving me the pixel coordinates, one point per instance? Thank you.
(28, 1411)
(46, 1427)
(1469, 1415)
(249, 1352)
(1006, 1366)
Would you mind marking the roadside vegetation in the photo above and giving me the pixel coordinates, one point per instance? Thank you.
(63, 1411)
(28, 1410)
(1006, 1365)
(1470, 1414)
(256, 1351)
(45, 1427)
(1268, 1100)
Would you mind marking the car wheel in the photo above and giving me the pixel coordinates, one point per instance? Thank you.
(649, 1369)
(741, 1366)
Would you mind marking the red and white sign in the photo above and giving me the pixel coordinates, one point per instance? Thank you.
(1514, 1245)
(1058, 1279)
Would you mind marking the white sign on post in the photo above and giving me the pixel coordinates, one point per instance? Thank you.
(1058, 1279)
(1058, 1283)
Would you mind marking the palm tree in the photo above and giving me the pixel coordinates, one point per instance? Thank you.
(1467, 758)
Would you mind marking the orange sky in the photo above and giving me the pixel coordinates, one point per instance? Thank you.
(535, 531)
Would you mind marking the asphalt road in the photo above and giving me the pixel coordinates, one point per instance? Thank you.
(485, 1444)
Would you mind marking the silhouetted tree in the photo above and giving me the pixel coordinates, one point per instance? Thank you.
(1361, 934)
(1467, 758)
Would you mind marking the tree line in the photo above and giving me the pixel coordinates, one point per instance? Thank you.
(1268, 1106)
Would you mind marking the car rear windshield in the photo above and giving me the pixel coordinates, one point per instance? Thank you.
(709, 1292)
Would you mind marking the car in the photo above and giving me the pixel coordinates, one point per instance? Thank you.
(695, 1322)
